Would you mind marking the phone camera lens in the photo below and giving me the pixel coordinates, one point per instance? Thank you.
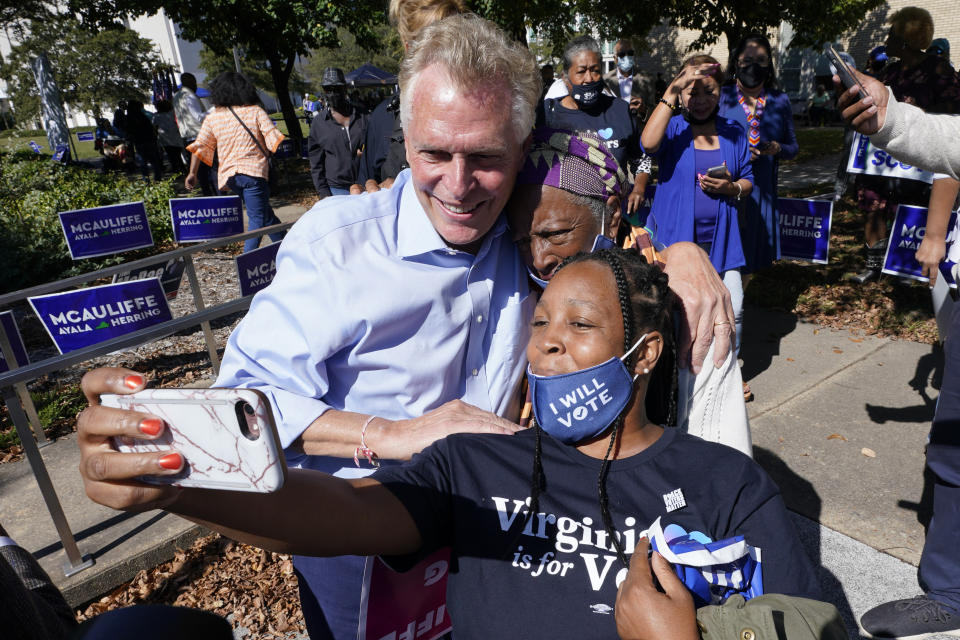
(247, 420)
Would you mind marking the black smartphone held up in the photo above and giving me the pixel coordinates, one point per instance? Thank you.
(847, 79)
(718, 171)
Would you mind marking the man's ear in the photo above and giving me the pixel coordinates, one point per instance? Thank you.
(613, 206)
(648, 353)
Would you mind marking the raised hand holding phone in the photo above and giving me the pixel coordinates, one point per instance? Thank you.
(226, 437)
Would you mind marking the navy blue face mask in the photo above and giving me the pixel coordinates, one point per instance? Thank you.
(601, 241)
(577, 406)
(587, 94)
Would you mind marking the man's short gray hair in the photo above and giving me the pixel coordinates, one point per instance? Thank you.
(577, 46)
(476, 53)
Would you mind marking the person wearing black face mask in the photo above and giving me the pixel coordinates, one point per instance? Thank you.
(752, 100)
(588, 107)
(336, 139)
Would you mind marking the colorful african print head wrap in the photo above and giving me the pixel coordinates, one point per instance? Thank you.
(575, 162)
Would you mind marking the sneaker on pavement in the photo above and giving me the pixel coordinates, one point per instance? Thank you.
(911, 619)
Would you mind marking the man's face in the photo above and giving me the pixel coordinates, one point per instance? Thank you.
(464, 155)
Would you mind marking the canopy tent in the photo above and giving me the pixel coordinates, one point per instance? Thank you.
(367, 75)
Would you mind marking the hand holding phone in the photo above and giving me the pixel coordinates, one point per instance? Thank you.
(843, 72)
(226, 436)
(718, 171)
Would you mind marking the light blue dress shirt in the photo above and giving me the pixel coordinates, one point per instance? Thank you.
(371, 312)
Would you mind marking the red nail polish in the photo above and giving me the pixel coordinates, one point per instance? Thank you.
(171, 461)
(132, 382)
(151, 426)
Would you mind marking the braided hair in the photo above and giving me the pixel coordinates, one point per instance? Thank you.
(646, 303)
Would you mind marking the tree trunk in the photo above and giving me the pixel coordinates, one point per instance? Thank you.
(280, 71)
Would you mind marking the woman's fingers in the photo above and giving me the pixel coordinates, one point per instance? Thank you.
(110, 380)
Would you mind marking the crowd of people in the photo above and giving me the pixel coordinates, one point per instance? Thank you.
(472, 261)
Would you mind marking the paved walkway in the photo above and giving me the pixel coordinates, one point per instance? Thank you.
(839, 421)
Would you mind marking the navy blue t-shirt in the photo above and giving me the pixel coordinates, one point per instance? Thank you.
(610, 120)
(558, 576)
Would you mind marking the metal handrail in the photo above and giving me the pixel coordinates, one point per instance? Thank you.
(66, 283)
(13, 382)
(34, 370)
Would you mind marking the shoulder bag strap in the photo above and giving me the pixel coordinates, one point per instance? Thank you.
(250, 133)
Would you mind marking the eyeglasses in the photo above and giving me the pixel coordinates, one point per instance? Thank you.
(624, 54)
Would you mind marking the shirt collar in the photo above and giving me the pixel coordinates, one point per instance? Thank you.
(415, 233)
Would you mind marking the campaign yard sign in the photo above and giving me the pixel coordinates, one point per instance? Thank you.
(255, 269)
(85, 136)
(867, 159)
(36, 148)
(405, 606)
(284, 149)
(198, 219)
(101, 231)
(805, 229)
(13, 334)
(170, 274)
(909, 227)
(80, 318)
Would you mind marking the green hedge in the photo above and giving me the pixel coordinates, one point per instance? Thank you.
(33, 189)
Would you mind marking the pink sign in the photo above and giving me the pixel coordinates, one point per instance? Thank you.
(405, 606)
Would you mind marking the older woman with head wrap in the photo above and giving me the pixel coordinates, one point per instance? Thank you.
(567, 200)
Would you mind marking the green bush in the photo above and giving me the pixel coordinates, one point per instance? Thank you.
(33, 190)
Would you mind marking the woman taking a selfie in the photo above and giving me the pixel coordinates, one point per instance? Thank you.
(705, 171)
(541, 524)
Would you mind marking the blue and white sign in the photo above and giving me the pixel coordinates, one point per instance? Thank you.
(77, 319)
(256, 269)
(85, 136)
(198, 219)
(284, 149)
(909, 227)
(867, 159)
(62, 153)
(101, 231)
(170, 274)
(805, 229)
(13, 334)
(946, 272)
(36, 148)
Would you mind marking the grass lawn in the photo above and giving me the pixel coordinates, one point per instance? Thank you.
(816, 142)
(83, 149)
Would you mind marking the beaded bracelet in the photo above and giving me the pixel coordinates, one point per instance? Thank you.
(673, 107)
(363, 449)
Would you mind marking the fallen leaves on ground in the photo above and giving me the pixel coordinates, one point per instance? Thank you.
(257, 589)
(836, 436)
(870, 453)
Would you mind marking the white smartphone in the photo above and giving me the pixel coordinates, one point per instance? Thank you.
(227, 437)
(847, 79)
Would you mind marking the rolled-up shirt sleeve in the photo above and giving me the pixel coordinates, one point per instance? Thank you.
(206, 143)
(271, 135)
(278, 350)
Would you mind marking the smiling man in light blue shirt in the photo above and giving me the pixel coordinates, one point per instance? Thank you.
(400, 317)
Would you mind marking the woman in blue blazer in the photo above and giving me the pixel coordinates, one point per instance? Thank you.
(752, 100)
(693, 203)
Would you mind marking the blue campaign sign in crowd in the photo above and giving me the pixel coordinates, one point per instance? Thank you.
(102, 231)
(198, 219)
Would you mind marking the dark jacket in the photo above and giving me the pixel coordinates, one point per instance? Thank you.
(334, 151)
(385, 155)
(31, 605)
